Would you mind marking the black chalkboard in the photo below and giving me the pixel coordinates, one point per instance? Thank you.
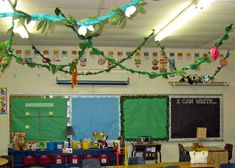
(189, 112)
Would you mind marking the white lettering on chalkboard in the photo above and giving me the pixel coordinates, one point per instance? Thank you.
(195, 101)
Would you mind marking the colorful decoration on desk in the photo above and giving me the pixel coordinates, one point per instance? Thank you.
(100, 138)
(18, 141)
(86, 30)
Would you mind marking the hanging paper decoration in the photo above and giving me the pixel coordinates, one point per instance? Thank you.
(86, 35)
(214, 53)
(223, 62)
(74, 72)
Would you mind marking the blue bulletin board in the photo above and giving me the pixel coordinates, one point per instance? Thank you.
(95, 113)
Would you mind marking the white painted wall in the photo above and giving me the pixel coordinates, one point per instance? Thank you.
(23, 80)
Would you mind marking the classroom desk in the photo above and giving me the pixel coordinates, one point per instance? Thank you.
(216, 155)
(164, 164)
(3, 161)
(151, 151)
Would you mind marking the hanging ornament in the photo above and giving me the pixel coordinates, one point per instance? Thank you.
(83, 29)
(130, 11)
(214, 53)
(74, 74)
(223, 62)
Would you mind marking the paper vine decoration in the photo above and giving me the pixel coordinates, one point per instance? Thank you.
(86, 30)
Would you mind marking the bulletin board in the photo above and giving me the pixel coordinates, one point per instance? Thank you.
(144, 116)
(95, 114)
(39, 117)
(188, 112)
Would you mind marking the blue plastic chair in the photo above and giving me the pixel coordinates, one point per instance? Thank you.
(227, 165)
(136, 160)
(183, 155)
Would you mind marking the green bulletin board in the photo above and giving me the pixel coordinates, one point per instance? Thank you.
(41, 118)
(144, 116)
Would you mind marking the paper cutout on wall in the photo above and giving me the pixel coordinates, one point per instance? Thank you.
(74, 53)
(155, 66)
(45, 52)
(188, 56)
(83, 61)
(56, 54)
(146, 55)
(27, 53)
(119, 54)
(128, 53)
(110, 53)
(64, 53)
(180, 56)
(18, 52)
(154, 54)
(3, 101)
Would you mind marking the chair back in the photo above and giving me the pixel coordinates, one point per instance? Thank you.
(136, 160)
(183, 156)
(229, 148)
(227, 165)
(90, 163)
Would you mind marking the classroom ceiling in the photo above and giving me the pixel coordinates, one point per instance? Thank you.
(200, 32)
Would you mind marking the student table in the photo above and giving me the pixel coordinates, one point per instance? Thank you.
(3, 161)
(164, 164)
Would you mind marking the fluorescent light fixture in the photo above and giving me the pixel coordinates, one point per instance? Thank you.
(183, 14)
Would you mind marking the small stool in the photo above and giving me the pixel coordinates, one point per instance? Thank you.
(74, 159)
(59, 159)
(44, 160)
(29, 160)
(104, 159)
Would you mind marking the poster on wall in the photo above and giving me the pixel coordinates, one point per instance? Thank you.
(3, 100)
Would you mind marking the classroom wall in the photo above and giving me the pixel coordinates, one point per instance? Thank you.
(23, 80)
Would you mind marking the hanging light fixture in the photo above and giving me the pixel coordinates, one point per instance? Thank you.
(183, 14)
